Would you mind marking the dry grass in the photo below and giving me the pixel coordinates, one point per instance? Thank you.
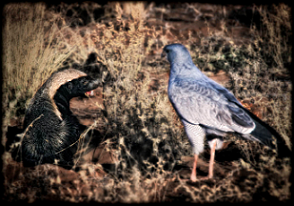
(32, 50)
(37, 41)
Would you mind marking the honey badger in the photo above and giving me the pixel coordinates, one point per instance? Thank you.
(51, 128)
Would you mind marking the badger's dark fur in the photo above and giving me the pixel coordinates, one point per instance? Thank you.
(51, 129)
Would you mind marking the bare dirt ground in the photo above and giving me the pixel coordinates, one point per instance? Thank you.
(244, 172)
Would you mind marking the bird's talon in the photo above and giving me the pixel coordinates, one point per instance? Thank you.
(193, 179)
(207, 178)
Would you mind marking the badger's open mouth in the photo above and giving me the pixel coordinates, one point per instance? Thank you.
(92, 85)
(90, 93)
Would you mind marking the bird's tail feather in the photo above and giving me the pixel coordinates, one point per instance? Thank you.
(263, 135)
(268, 136)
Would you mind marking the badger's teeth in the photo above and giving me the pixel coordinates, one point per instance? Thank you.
(90, 93)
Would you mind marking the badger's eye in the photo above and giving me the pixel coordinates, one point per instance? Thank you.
(70, 85)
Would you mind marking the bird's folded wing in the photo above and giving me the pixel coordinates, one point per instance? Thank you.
(198, 102)
(230, 97)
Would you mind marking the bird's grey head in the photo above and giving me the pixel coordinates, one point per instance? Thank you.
(176, 53)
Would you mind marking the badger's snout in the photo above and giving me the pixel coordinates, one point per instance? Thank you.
(93, 85)
(96, 82)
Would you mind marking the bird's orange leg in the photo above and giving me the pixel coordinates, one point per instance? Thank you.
(193, 174)
(211, 161)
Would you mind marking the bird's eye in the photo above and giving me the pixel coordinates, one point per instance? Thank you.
(166, 51)
(85, 82)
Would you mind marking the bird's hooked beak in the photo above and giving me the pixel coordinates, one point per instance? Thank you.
(163, 54)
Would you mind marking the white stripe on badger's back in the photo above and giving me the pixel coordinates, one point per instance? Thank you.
(59, 78)
(53, 83)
